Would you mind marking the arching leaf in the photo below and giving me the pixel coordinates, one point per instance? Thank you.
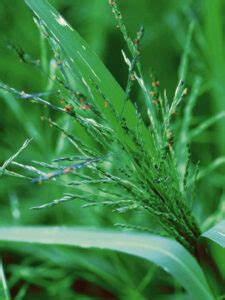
(164, 252)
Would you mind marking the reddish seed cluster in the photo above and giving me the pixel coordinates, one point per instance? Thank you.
(137, 42)
(67, 170)
(154, 93)
(68, 108)
(155, 97)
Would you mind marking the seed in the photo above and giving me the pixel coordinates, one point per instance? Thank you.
(68, 108)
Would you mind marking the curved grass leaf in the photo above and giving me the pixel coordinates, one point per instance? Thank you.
(166, 253)
(216, 234)
(88, 68)
(211, 167)
(206, 124)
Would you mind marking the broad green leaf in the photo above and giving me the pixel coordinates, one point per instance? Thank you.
(84, 64)
(166, 253)
(216, 234)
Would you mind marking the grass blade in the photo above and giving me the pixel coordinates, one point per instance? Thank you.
(84, 64)
(4, 292)
(216, 245)
(219, 161)
(164, 252)
(185, 58)
(206, 124)
(216, 234)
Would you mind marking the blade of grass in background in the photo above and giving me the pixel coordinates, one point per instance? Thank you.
(213, 49)
(211, 167)
(166, 253)
(4, 292)
(206, 124)
(185, 57)
(98, 24)
(216, 234)
(18, 114)
(216, 243)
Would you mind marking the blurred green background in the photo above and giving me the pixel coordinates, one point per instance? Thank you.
(166, 25)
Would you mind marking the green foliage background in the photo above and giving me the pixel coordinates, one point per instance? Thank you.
(166, 25)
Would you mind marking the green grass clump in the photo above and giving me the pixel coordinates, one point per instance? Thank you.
(144, 174)
(115, 153)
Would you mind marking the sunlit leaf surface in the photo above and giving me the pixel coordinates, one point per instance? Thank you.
(166, 253)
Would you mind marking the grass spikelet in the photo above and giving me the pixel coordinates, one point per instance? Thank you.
(65, 170)
(9, 161)
(64, 199)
